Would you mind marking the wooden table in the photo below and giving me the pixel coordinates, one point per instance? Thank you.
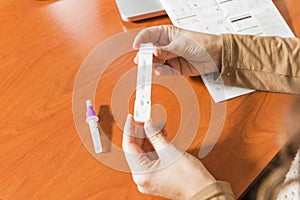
(44, 43)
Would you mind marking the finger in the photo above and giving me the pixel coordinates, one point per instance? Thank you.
(161, 126)
(179, 66)
(175, 67)
(140, 137)
(157, 35)
(155, 136)
(184, 67)
(136, 58)
(133, 136)
(145, 186)
(164, 53)
(165, 70)
(135, 155)
(157, 61)
(129, 129)
(151, 34)
(142, 189)
(160, 67)
(148, 147)
(161, 54)
(166, 152)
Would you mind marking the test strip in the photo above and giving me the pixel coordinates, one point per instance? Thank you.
(142, 104)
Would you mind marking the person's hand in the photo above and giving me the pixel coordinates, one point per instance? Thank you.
(165, 172)
(187, 52)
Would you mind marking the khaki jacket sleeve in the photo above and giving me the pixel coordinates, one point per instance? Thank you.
(217, 191)
(261, 63)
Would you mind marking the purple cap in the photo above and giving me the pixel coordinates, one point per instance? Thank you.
(89, 109)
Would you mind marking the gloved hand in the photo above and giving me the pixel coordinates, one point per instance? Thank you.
(186, 52)
(167, 171)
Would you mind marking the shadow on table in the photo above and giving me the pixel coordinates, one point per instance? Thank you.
(106, 122)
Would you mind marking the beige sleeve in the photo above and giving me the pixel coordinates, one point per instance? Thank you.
(217, 191)
(261, 63)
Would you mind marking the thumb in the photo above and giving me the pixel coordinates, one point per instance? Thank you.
(165, 52)
(166, 69)
(155, 136)
(167, 152)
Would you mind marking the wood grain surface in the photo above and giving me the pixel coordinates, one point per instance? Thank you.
(42, 156)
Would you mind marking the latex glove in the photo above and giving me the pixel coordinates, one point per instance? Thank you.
(166, 172)
(187, 52)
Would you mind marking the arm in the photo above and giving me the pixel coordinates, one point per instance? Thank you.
(261, 63)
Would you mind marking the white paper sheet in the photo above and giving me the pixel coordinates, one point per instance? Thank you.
(254, 17)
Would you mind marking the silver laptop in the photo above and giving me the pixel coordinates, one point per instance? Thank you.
(134, 10)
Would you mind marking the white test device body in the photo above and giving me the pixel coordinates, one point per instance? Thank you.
(92, 120)
(142, 104)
